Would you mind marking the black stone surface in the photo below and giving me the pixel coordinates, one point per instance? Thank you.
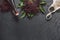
(35, 29)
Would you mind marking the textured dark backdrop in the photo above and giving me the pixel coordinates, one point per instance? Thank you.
(35, 29)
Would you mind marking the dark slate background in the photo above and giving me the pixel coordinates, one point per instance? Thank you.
(35, 29)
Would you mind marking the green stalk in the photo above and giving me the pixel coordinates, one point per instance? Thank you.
(23, 14)
(42, 9)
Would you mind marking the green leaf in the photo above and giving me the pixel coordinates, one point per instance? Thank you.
(42, 3)
(30, 15)
(20, 5)
(42, 9)
(23, 14)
